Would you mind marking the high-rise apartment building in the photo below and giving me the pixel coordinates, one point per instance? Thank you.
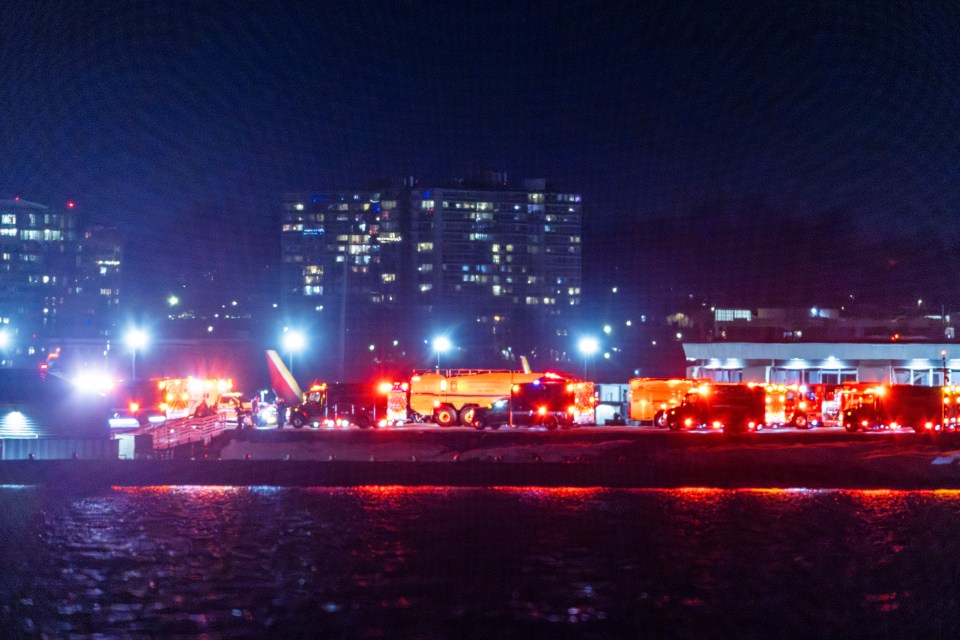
(95, 291)
(502, 265)
(37, 260)
(54, 282)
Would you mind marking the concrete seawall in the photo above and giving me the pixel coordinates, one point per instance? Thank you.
(866, 465)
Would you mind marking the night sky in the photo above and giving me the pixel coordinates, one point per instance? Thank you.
(773, 152)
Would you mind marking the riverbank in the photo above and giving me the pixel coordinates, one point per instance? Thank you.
(876, 463)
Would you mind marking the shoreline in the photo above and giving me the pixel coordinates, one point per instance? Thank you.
(580, 458)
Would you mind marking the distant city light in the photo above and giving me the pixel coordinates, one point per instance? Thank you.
(606, 355)
(209, 329)
(173, 301)
(629, 323)
(607, 329)
(371, 347)
(614, 290)
(4, 339)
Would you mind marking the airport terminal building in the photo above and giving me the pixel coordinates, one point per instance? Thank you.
(826, 346)
(829, 363)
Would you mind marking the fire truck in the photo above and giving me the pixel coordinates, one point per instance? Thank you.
(140, 403)
(794, 405)
(731, 407)
(651, 397)
(450, 397)
(837, 398)
(898, 406)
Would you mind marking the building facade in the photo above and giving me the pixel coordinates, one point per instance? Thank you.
(54, 282)
(38, 253)
(826, 345)
(824, 363)
(503, 266)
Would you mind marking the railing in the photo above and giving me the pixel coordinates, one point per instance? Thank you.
(180, 431)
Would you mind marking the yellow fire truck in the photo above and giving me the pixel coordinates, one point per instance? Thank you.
(449, 397)
(650, 398)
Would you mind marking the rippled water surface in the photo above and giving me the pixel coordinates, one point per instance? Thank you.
(380, 562)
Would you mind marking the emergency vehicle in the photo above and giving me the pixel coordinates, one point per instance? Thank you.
(450, 397)
(651, 397)
(794, 405)
(731, 407)
(140, 403)
(550, 401)
(838, 398)
(340, 405)
(898, 406)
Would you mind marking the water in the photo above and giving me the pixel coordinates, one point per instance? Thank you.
(379, 562)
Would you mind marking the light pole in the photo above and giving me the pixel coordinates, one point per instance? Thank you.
(136, 340)
(441, 344)
(293, 341)
(588, 346)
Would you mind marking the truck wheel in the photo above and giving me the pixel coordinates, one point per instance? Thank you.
(445, 416)
(660, 419)
(673, 426)
(800, 421)
(297, 421)
(480, 424)
(852, 427)
(551, 423)
(466, 414)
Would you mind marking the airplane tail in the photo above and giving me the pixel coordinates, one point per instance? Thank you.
(525, 364)
(282, 380)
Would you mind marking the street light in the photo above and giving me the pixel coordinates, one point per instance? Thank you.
(441, 344)
(588, 346)
(136, 340)
(293, 341)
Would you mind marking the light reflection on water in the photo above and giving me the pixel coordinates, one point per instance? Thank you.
(501, 562)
